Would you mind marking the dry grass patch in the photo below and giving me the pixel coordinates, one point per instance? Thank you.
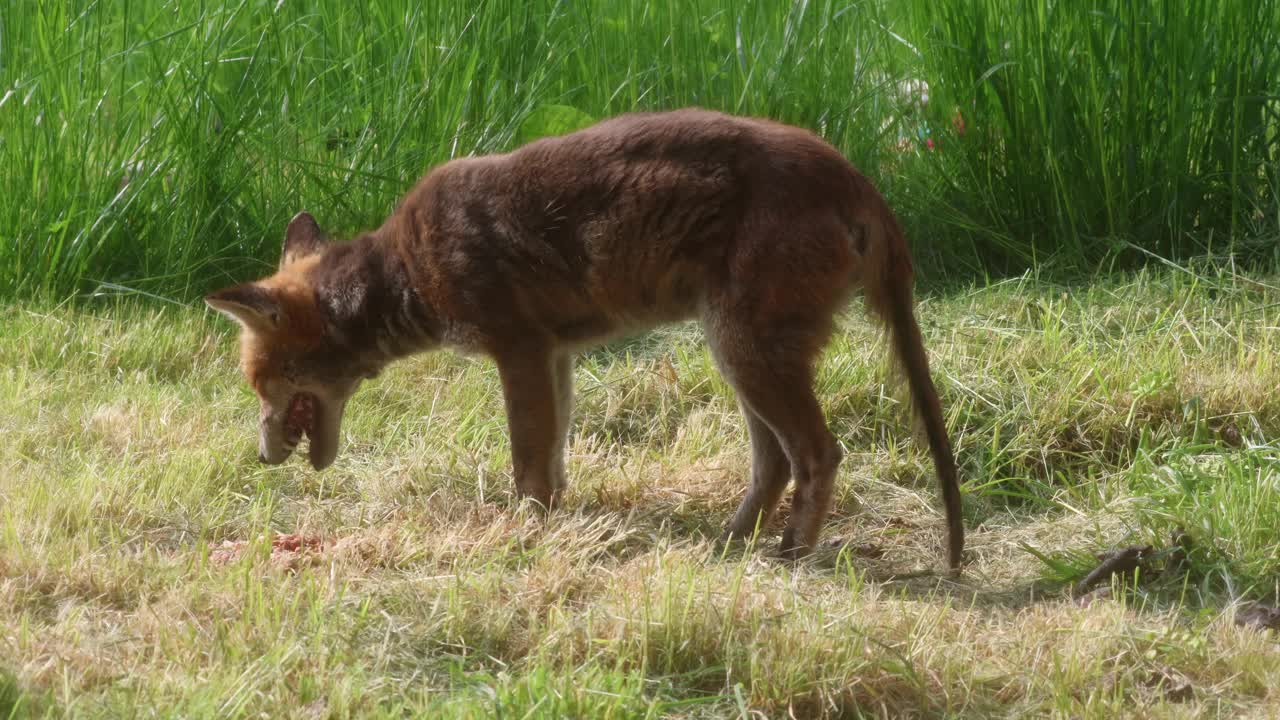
(419, 587)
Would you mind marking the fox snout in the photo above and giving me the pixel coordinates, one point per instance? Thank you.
(265, 458)
(273, 446)
(269, 454)
(305, 415)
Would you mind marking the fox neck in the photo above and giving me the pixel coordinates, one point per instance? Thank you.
(373, 310)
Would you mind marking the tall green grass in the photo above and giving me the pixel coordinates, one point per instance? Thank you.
(161, 145)
(1093, 125)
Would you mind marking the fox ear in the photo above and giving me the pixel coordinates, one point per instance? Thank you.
(302, 238)
(249, 304)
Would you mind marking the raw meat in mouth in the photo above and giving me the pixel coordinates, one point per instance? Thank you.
(300, 419)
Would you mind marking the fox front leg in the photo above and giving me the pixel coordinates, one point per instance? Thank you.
(529, 389)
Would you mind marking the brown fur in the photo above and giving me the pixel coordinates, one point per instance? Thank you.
(760, 230)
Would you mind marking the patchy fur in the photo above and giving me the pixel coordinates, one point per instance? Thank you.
(760, 230)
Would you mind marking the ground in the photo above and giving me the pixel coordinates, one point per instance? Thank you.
(150, 566)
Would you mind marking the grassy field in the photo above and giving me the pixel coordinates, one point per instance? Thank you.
(1098, 228)
(1084, 416)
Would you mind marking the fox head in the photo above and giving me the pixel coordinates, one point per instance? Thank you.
(292, 353)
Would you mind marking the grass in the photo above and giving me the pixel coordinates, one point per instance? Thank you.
(1084, 416)
(156, 148)
(1101, 124)
(161, 145)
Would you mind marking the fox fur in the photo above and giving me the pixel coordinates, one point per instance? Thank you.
(760, 230)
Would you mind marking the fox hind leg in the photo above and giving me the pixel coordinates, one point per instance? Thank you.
(773, 376)
(770, 472)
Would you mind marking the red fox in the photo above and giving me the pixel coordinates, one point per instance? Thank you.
(760, 230)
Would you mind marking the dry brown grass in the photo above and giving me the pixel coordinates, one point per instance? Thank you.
(428, 592)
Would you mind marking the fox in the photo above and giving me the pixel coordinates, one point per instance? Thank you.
(761, 231)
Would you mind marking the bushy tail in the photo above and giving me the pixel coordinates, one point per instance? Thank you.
(890, 295)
